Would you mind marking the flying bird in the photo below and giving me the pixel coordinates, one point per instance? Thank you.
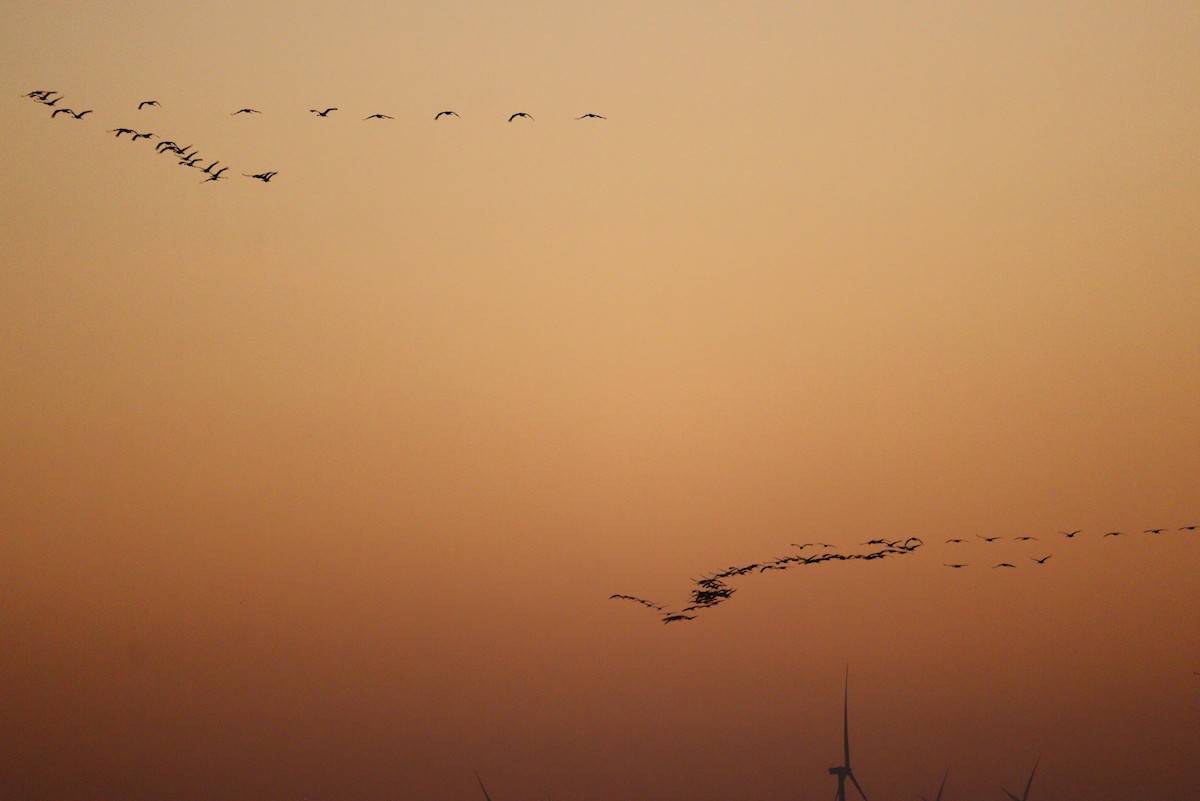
(445, 113)
(1003, 564)
(1025, 539)
(1041, 561)
(642, 601)
(673, 618)
(1154, 531)
(519, 114)
(592, 116)
(245, 111)
(216, 176)
(119, 131)
(987, 539)
(956, 539)
(1112, 534)
(58, 111)
(954, 565)
(324, 113)
(145, 103)
(1069, 534)
(1188, 528)
(265, 177)
(379, 117)
(79, 116)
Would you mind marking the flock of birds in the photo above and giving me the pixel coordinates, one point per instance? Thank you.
(715, 588)
(190, 157)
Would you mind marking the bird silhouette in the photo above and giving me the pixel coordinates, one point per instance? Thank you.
(954, 565)
(956, 539)
(519, 114)
(145, 103)
(591, 116)
(1112, 534)
(58, 111)
(324, 113)
(216, 176)
(1041, 561)
(674, 618)
(1154, 531)
(1069, 534)
(987, 539)
(79, 116)
(246, 111)
(1025, 539)
(1188, 528)
(445, 113)
(1003, 564)
(265, 177)
(119, 131)
(379, 117)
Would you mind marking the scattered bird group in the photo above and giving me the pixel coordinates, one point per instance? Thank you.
(1041, 560)
(188, 155)
(190, 158)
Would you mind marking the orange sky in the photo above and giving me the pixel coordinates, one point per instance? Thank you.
(320, 487)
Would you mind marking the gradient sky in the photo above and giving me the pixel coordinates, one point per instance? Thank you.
(319, 488)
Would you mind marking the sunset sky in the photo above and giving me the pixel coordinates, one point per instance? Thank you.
(320, 487)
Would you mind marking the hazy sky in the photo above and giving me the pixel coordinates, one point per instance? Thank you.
(320, 487)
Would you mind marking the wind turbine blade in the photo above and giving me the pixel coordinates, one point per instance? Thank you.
(489, 798)
(1029, 783)
(857, 787)
(846, 719)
